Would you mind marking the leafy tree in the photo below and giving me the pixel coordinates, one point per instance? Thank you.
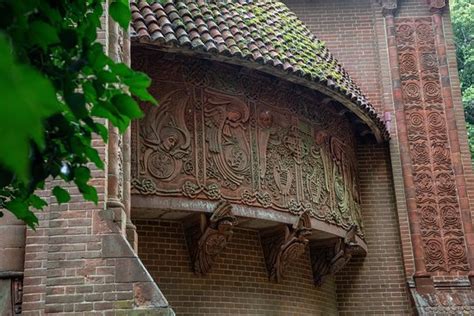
(462, 15)
(56, 88)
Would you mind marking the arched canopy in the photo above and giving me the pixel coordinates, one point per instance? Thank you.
(263, 35)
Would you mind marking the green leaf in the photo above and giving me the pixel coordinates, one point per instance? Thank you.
(37, 202)
(77, 104)
(27, 100)
(20, 209)
(127, 106)
(82, 175)
(62, 196)
(43, 34)
(93, 155)
(89, 193)
(120, 12)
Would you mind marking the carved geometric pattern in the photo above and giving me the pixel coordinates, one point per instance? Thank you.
(207, 238)
(436, 196)
(220, 134)
(283, 245)
(328, 258)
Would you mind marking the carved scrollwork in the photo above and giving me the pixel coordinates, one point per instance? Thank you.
(257, 146)
(436, 195)
(207, 237)
(285, 244)
(330, 257)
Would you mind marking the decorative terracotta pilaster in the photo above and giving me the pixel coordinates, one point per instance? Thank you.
(437, 7)
(419, 263)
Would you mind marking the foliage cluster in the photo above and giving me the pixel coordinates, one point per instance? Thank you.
(462, 15)
(57, 85)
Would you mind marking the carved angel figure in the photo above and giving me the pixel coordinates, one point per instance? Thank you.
(226, 135)
(165, 136)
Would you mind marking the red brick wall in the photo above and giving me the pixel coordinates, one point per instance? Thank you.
(375, 284)
(348, 29)
(238, 283)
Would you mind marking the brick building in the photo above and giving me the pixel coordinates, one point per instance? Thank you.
(308, 157)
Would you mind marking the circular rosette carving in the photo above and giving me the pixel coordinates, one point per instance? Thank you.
(429, 218)
(420, 153)
(161, 165)
(440, 154)
(436, 123)
(215, 244)
(411, 92)
(456, 251)
(423, 183)
(405, 34)
(450, 217)
(429, 61)
(434, 254)
(424, 32)
(408, 64)
(445, 184)
(432, 91)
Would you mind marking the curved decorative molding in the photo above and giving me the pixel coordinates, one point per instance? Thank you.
(221, 134)
(284, 245)
(208, 237)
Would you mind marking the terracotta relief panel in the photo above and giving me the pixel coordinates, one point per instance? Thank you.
(436, 196)
(223, 134)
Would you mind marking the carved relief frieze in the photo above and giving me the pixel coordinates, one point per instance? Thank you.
(220, 133)
(328, 258)
(285, 244)
(207, 237)
(436, 196)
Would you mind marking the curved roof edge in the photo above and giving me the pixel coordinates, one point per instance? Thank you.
(263, 35)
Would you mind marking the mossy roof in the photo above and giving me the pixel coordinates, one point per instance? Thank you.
(264, 32)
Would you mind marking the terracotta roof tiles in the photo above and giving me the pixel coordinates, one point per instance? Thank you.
(265, 32)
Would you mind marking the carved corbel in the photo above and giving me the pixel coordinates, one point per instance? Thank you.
(388, 6)
(329, 258)
(208, 237)
(285, 244)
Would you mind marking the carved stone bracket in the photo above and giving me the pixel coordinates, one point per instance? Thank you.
(329, 258)
(285, 244)
(388, 6)
(208, 237)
